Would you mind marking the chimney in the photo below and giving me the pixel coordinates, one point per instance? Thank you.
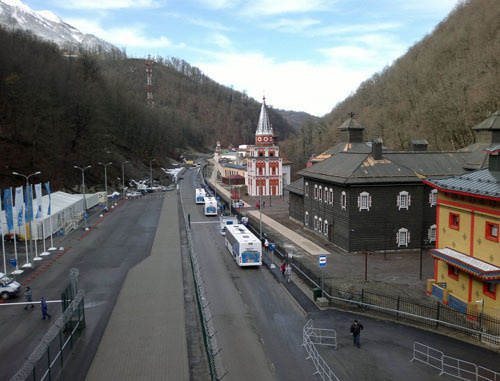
(494, 159)
(418, 145)
(377, 148)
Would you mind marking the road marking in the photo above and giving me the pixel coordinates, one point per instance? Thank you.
(205, 222)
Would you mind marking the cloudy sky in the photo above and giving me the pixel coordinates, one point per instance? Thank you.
(304, 55)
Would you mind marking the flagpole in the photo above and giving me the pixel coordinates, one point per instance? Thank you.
(16, 271)
(37, 258)
(3, 243)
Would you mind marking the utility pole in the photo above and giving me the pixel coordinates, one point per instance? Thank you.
(106, 180)
(85, 216)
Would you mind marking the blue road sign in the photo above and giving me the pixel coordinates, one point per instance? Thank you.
(322, 261)
(13, 262)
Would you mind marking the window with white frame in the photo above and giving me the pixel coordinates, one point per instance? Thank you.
(315, 222)
(431, 233)
(364, 201)
(306, 218)
(403, 237)
(320, 225)
(306, 189)
(315, 191)
(331, 196)
(433, 195)
(343, 200)
(404, 200)
(320, 193)
(325, 194)
(325, 228)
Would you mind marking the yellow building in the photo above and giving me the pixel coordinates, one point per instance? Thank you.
(467, 253)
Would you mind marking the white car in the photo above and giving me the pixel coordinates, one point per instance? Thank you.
(8, 287)
(133, 194)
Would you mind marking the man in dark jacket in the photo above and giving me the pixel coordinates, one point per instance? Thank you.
(356, 329)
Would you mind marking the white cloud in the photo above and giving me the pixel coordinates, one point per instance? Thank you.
(219, 40)
(220, 4)
(273, 7)
(107, 4)
(290, 25)
(132, 36)
(293, 85)
(335, 30)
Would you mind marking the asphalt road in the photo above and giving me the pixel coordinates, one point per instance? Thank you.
(103, 258)
(258, 325)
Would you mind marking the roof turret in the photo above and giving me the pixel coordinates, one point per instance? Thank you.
(264, 127)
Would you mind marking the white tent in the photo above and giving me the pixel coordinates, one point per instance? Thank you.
(65, 208)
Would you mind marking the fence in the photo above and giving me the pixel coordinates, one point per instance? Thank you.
(463, 370)
(209, 333)
(309, 333)
(48, 359)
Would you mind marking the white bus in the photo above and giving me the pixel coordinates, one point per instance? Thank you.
(227, 220)
(210, 206)
(200, 196)
(245, 248)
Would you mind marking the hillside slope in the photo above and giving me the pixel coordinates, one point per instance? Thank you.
(438, 90)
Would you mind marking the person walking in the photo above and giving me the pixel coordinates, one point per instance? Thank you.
(266, 245)
(283, 268)
(288, 272)
(189, 219)
(45, 313)
(356, 329)
(28, 295)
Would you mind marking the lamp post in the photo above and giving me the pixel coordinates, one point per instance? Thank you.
(151, 173)
(31, 211)
(106, 180)
(481, 318)
(260, 213)
(123, 177)
(83, 186)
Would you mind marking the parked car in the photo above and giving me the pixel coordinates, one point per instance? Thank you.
(8, 287)
(133, 194)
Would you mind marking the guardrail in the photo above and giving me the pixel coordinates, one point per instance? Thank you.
(309, 333)
(463, 370)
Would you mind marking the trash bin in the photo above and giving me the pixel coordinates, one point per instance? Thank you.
(316, 293)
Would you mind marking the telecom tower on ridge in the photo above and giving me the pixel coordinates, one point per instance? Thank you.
(149, 74)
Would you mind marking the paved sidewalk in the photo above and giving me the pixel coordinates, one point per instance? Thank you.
(145, 338)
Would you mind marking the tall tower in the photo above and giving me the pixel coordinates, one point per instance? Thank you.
(264, 164)
(149, 74)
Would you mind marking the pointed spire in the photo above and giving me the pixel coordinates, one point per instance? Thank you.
(264, 127)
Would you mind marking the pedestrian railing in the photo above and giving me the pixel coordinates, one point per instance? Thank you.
(49, 357)
(315, 336)
(463, 370)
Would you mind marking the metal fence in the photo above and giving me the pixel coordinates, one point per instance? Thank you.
(463, 370)
(48, 359)
(311, 337)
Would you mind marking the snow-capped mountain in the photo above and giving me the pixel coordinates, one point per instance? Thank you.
(16, 15)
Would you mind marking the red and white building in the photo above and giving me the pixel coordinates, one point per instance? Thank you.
(264, 164)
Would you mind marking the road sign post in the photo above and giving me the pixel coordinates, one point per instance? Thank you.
(322, 263)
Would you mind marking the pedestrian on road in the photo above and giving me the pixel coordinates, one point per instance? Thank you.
(189, 219)
(256, 205)
(356, 329)
(283, 268)
(44, 309)
(266, 245)
(28, 296)
(263, 204)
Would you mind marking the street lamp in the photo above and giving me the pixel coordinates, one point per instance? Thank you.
(83, 186)
(123, 177)
(106, 180)
(31, 211)
(151, 173)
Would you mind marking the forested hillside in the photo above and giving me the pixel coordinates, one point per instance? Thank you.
(438, 90)
(57, 111)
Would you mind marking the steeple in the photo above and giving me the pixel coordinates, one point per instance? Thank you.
(264, 134)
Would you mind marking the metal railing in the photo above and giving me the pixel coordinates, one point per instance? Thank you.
(463, 370)
(48, 359)
(309, 333)
(217, 369)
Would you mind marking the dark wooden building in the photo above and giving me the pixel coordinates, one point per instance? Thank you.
(361, 196)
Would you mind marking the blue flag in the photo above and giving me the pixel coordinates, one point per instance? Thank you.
(47, 188)
(19, 206)
(7, 204)
(28, 202)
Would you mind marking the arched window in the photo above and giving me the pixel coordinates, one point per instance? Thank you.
(320, 193)
(343, 200)
(306, 218)
(325, 195)
(403, 237)
(364, 201)
(331, 196)
(306, 189)
(315, 191)
(315, 222)
(403, 200)
(325, 228)
(320, 225)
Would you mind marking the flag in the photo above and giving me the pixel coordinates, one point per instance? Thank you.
(7, 204)
(28, 202)
(38, 192)
(19, 206)
(1, 224)
(47, 188)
